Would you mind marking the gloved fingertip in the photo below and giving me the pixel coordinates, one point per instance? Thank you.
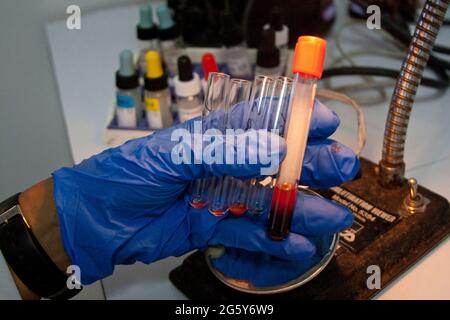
(341, 219)
(349, 164)
(279, 143)
(276, 151)
(315, 216)
(310, 250)
(328, 163)
(346, 160)
(335, 119)
(347, 220)
(324, 122)
(299, 247)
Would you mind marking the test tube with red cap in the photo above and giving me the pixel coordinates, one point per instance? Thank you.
(307, 67)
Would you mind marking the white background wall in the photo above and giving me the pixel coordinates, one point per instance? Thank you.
(33, 139)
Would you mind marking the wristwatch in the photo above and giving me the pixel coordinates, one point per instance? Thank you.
(26, 257)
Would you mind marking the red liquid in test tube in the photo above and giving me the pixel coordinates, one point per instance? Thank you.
(283, 203)
(238, 209)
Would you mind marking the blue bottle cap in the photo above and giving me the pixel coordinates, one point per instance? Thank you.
(164, 17)
(126, 63)
(146, 16)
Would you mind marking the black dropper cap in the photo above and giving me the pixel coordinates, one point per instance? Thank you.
(147, 34)
(127, 77)
(230, 33)
(185, 69)
(268, 55)
(146, 29)
(276, 19)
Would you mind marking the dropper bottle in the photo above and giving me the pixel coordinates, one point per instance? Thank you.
(307, 67)
(208, 65)
(157, 99)
(128, 102)
(281, 35)
(188, 91)
(236, 55)
(268, 56)
(147, 34)
(170, 39)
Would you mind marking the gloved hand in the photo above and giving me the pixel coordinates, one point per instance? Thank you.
(314, 218)
(262, 270)
(128, 203)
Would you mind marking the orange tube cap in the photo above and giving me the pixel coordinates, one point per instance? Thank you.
(309, 56)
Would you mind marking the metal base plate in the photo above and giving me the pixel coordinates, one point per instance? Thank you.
(393, 248)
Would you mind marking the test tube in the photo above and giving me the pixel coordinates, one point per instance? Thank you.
(222, 188)
(215, 98)
(307, 67)
(239, 91)
(260, 100)
(272, 119)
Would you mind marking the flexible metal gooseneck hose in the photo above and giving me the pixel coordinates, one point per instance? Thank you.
(392, 165)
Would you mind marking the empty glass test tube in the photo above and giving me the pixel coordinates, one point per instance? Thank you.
(307, 67)
(260, 97)
(215, 98)
(221, 189)
(272, 118)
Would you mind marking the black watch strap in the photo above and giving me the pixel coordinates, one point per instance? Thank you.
(27, 258)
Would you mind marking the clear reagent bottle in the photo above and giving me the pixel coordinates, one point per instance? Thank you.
(147, 35)
(307, 67)
(170, 39)
(157, 98)
(268, 55)
(188, 91)
(236, 55)
(128, 102)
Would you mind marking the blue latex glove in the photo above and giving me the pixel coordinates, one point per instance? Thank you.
(262, 270)
(315, 219)
(128, 203)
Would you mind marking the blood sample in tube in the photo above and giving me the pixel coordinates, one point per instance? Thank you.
(309, 57)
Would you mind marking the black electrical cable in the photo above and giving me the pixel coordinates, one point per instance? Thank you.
(402, 34)
(441, 49)
(444, 83)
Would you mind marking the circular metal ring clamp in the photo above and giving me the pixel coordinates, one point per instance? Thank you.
(248, 287)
